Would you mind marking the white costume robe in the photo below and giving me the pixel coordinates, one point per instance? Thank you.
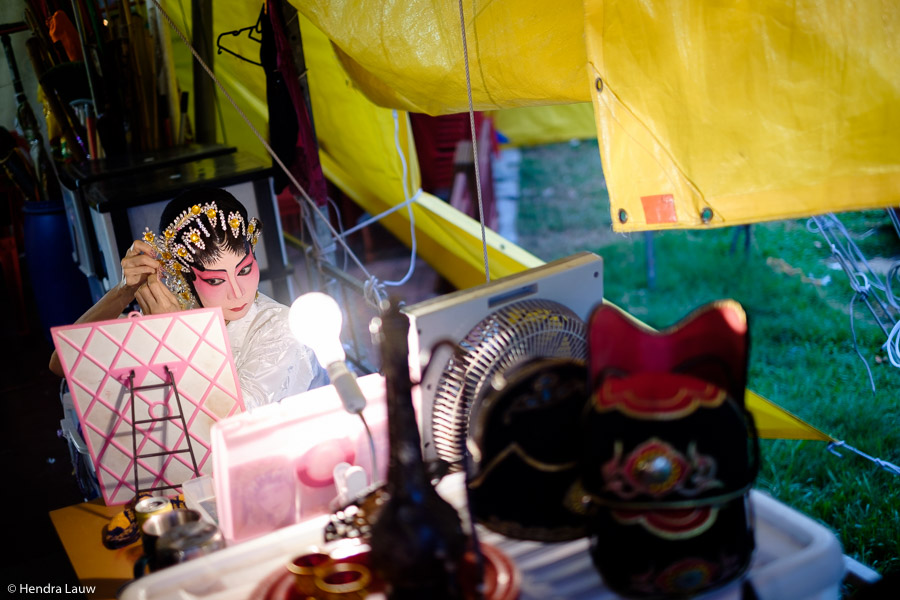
(270, 362)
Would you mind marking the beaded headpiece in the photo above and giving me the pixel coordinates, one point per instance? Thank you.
(178, 245)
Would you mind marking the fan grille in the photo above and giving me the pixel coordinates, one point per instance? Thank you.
(506, 337)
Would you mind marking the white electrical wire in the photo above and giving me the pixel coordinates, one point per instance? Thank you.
(373, 283)
(382, 215)
(340, 226)
(408, 201)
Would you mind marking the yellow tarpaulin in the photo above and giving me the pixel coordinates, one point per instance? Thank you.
(773, 422)
(708, 113)
(408, 54)
(357, 148)
(536, 125)
(737, 112)
(359, 154)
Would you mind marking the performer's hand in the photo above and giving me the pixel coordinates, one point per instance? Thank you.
(155, 298)
(138, 264)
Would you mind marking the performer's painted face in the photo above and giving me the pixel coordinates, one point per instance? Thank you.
(230, 282)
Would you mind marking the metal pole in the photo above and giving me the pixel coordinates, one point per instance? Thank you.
(204, 88)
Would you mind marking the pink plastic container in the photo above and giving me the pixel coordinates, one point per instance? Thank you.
(273, 467)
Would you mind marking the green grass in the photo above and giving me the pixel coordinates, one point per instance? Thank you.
(802, 355)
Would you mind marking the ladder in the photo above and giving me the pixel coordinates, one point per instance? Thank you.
(169, 383)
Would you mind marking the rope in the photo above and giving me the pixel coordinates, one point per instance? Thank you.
(372, 283)
(887, 466)
(462, 25)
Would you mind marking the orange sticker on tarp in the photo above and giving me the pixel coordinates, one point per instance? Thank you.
(659, 209)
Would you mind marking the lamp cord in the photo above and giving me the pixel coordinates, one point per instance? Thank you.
(371, 447)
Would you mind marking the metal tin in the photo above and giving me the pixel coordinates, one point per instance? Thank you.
(154, 505)
(188, 541)
(158, 524)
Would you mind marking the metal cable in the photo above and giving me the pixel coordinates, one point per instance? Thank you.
(371, 282)
(856, 345)
(887, 466)
(877, 293)
(462, 25)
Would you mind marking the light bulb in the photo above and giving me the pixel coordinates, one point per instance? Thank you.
(315, 320)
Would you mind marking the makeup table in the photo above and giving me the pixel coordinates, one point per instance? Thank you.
(80, 528)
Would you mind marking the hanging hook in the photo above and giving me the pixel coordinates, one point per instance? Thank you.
(256, 28)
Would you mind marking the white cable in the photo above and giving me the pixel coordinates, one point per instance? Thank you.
(382, 215)
(375, 471)
(893, 272)
(340, 225)
(408, 201)
(895, 219)
(892, 345)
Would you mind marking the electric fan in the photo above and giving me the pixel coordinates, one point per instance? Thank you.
(539, 313)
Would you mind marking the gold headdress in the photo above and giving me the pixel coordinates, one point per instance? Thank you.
(178, 244)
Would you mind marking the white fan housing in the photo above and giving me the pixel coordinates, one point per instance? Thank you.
(536, 313)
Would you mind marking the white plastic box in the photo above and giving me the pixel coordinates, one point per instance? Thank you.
(273, 466)
(200, 495)
(796, 559)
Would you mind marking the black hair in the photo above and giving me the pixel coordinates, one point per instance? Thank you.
(220, 239)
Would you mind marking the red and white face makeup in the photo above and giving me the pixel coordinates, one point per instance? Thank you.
(230, 282)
